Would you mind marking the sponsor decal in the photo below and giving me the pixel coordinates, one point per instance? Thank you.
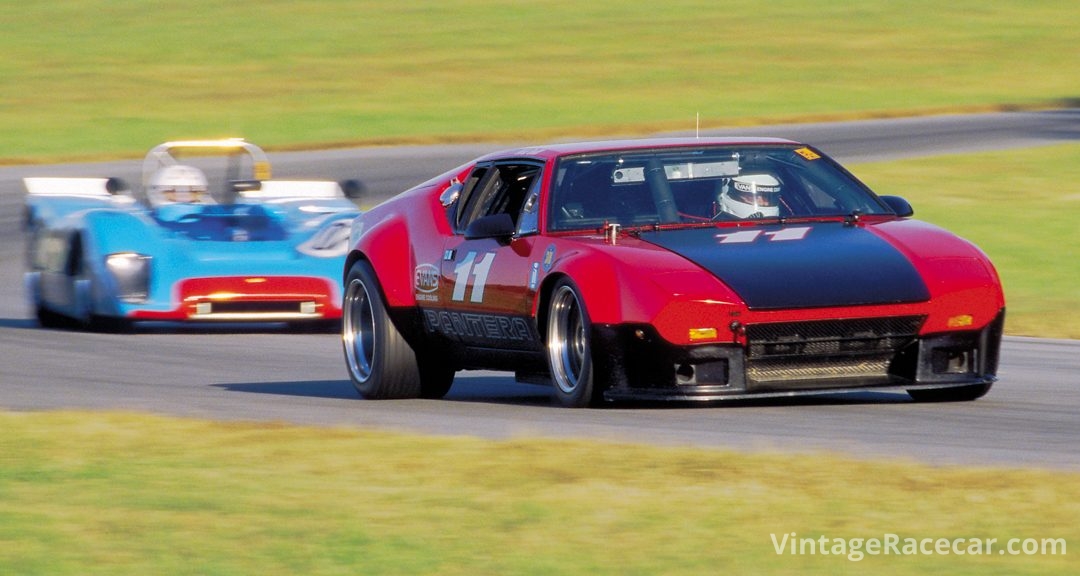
(261, 170)
(755, 187)
(426, 282)
(549, 258)
(534, 276)
(479, 328)
(807, 153)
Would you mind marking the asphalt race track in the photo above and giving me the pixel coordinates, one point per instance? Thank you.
(1030, 419)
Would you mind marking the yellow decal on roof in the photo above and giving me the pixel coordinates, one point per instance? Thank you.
(807, 153)
(261, 170)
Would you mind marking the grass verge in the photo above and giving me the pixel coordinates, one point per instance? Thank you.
(117, 493)
(1021, 207)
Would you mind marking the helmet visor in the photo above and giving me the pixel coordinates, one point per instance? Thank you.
(756, 190)
(756, 198)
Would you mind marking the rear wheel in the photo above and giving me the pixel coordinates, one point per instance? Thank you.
(958, 394)
(436, 377)
(569, 347)
(380, 361)
(49, 319)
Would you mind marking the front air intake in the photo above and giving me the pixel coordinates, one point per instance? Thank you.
(826, 353)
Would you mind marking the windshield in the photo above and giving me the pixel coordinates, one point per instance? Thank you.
(703, 184)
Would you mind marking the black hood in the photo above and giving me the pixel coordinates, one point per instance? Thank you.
(800, 266)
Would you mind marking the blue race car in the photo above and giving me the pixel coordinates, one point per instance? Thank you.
(240, 247)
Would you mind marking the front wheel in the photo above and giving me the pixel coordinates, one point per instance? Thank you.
(569, 347)
(109, 324)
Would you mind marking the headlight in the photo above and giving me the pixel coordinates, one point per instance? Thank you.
(330, 242)
(131, 273)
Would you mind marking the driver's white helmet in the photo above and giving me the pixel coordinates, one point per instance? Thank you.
(178, 184)
(751, 196)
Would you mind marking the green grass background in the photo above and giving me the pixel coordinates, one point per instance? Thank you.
(104, 77)
(84, 493)
(1021, 207)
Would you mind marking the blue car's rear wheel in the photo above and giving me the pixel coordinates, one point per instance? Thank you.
(48, 319)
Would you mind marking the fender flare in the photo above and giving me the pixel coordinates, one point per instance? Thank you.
(385, 245)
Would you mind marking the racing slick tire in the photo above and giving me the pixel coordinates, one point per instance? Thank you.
(381, 363)
(958, 394)
(109, 324)
(48, 319)
(436, 377)
(569, 347)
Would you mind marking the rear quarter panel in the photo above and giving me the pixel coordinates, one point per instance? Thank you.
(397, 234)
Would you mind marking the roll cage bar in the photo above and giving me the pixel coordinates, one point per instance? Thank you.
(236, 149)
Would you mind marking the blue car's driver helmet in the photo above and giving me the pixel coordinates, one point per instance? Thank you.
(178, 184)
(751, 196)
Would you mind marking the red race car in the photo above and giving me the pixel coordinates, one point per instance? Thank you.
(666, 269)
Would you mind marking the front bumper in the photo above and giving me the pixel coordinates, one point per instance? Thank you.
(797, 358)
(248, 299)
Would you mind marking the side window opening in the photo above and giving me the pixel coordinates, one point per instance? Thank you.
(529, 221)
(470, 194)
(501, 189)
(74, 264)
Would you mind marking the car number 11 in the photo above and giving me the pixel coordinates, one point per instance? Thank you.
(479, 271)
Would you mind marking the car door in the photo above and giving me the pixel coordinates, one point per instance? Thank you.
(490, 265)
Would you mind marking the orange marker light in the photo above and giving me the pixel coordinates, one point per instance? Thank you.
(960, 321)
(702, 334)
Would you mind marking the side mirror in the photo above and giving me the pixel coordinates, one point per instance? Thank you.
(902, 208)
(238, 186)
(352, 188)
(451, 194)
(116, 186)
(491, 226)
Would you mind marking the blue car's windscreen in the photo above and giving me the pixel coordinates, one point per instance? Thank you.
(225, 223)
